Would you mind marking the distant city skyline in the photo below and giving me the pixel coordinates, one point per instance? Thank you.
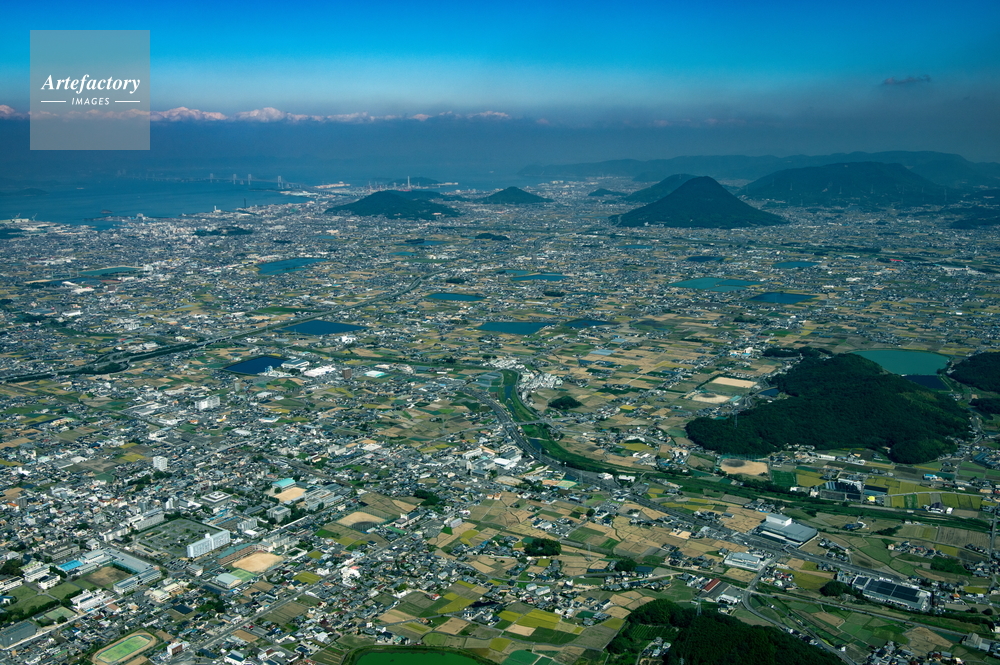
(848, 76)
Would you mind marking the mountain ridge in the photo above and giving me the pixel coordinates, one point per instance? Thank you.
(660, 189)
(946, 168)
(870, 183)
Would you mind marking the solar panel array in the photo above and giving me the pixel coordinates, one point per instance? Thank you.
(903, 594)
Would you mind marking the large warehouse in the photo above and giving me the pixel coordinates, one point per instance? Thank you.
(891, 593)
(785, 530)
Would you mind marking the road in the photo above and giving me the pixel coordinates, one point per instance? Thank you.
(514, 433)
(750, 591)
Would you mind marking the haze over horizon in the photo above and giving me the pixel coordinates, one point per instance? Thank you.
(529, 83)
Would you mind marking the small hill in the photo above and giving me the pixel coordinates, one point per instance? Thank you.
(980, 371)
(605, 192)
(394, 206)
(699, 203)
(841, 402)
(514, 196)
(660, 189)
(979, 219)
(865, 183)
(953, 171)
(224, 231)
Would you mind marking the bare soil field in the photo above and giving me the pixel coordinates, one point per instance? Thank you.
(258, 562)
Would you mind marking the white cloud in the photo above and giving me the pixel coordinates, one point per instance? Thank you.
(270, 114)
(7, 112)
(183, 113)
(266, 114)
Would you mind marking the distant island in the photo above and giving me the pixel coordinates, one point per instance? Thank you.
(656, 192)
(866, 183)
(938, 167)
(392, 205)
(514, 196)
(699, 203)
(830, 406)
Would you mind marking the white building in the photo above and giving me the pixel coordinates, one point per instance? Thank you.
(211, 541)
(207, 403)
(35, 570)
(160, 463)
(89, 600)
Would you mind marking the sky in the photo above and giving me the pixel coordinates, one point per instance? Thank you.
(717, 77)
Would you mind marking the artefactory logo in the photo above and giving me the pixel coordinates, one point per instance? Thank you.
(89, 89)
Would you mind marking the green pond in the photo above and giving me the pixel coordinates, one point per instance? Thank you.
(414, 657)
(901, 361)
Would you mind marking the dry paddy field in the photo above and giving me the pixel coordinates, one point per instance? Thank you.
(744, 467)
(358, 517)
(258, 562)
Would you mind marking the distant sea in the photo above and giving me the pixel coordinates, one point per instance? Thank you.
(76, 204)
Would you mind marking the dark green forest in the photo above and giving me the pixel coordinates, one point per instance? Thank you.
(805, 352)
(980, 371)
(710, 639)
(564, 403)
(988, 405)
(395, 206)
(846, 401)
(543, 547)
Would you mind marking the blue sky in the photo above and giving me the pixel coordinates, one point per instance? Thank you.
(782, 64)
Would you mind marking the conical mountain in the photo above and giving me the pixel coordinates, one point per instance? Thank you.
(515, 196)
(660, 189)
(699, 203)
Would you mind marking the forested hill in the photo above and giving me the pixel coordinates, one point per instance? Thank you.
(980, 371)
(393, 205)
(844, 402)
(711, 638)
(699, 203)
(514, 196)
(866, 183)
